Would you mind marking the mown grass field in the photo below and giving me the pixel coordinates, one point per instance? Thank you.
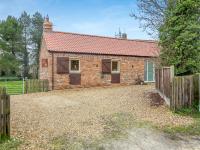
(13, 87)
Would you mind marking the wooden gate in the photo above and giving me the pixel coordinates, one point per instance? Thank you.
(4, 113)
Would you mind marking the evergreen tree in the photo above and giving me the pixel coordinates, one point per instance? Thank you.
(180, 37)
(20, 42)
(25, 22)
(36, 36)
(10, 45)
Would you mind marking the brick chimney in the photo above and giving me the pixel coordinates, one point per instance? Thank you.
(47, 25)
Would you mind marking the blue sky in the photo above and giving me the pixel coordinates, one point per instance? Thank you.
(98, 17)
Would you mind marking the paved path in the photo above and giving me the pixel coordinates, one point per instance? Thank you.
(149, 139)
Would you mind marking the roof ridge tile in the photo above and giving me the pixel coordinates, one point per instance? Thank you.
(100, 36)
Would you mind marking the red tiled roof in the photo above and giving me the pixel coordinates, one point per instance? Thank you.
(80, 43)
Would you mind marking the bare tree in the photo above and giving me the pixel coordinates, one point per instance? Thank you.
(151, 14)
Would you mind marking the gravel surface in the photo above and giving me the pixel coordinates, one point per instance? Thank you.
(38, 118)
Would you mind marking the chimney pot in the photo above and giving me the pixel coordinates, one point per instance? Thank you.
(47, 26)
(124, 36)
(47, 17)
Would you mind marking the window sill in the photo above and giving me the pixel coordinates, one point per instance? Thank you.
(75, 72)
(115, 72)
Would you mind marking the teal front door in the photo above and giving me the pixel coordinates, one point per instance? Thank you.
(149, 72)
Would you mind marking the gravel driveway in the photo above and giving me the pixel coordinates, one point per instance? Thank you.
(38, 118)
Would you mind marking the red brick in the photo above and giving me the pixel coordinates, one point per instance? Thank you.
(91, 69)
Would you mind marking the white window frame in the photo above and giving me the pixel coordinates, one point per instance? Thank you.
(74, 71)
(147, 67)
(118, 66)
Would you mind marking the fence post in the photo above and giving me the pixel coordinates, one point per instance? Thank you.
(23, 86)
(162, 80)
(43, 84)
(6, 85)
(171, 73)
(4, 113)
(191, 90)
(1, 123)
(199, 92)
(172, 92)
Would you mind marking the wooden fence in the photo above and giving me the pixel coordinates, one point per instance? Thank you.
(163, 77)
(4, 113)
(179, 91)
(32, 86)
(183, 92)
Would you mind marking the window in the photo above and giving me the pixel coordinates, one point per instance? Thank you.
(115, 66)
(149, 75)
(74, 66)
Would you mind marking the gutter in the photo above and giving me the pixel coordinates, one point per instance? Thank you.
(87, 53)
(52, 70)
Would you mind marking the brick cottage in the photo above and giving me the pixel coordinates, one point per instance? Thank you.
(70, 59)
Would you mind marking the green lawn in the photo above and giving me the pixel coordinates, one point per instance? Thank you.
(13, 87)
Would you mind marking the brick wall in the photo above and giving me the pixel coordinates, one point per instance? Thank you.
(45, 72)
(91, 69)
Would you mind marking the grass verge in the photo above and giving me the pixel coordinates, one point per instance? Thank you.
(193, 129)
(115, 127)
(9, 144)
